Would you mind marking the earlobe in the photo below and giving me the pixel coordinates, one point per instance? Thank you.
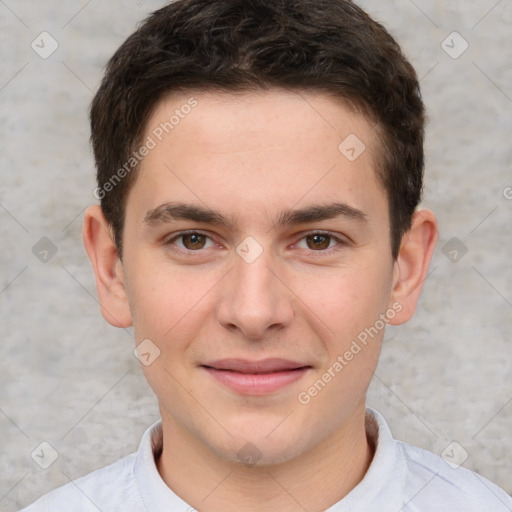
(411, 265)
(110, 282)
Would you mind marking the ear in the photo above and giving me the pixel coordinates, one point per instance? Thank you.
(411, 265)
(108, 268)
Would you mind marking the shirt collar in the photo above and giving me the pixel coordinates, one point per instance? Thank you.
(155, 494)
(385, 476)
(385, 479)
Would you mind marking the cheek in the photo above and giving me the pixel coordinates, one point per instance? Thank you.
(165, 301)
(169, 307)
(347, 300)
(345, 313)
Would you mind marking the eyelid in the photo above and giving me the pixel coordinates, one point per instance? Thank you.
(337, 236)
(179, 234)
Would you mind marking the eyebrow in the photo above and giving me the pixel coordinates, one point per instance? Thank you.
(173, 211)
(168, 212)
(316, 213)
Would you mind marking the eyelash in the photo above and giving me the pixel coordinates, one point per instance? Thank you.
(318, 253)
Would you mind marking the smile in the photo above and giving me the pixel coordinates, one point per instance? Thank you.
(256, 377)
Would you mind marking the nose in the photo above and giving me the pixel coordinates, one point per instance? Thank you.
(254, 299)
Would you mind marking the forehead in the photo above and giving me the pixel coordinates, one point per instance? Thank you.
(261, 150)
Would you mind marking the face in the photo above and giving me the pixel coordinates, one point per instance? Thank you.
(256, 259)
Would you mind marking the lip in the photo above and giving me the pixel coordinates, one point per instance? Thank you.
(256, 377)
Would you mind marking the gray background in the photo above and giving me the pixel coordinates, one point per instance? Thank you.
(71, 380)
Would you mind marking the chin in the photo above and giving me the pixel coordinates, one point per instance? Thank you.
(259, 449)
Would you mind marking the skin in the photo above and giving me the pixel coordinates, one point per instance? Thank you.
(250, 157)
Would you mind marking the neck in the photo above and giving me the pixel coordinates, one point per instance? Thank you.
(312, 481)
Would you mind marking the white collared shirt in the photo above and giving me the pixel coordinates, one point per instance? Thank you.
(401, 478)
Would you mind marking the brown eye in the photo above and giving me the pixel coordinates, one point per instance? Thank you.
(193, 241)
(318, 241)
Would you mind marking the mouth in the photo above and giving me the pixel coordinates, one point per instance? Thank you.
(256, 377)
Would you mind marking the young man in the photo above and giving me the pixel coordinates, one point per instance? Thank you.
(259, 168)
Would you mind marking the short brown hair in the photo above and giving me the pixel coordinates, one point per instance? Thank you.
(241, 45)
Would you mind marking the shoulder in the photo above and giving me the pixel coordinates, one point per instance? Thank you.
(411, 479)
(105, 488)
(432, 480)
